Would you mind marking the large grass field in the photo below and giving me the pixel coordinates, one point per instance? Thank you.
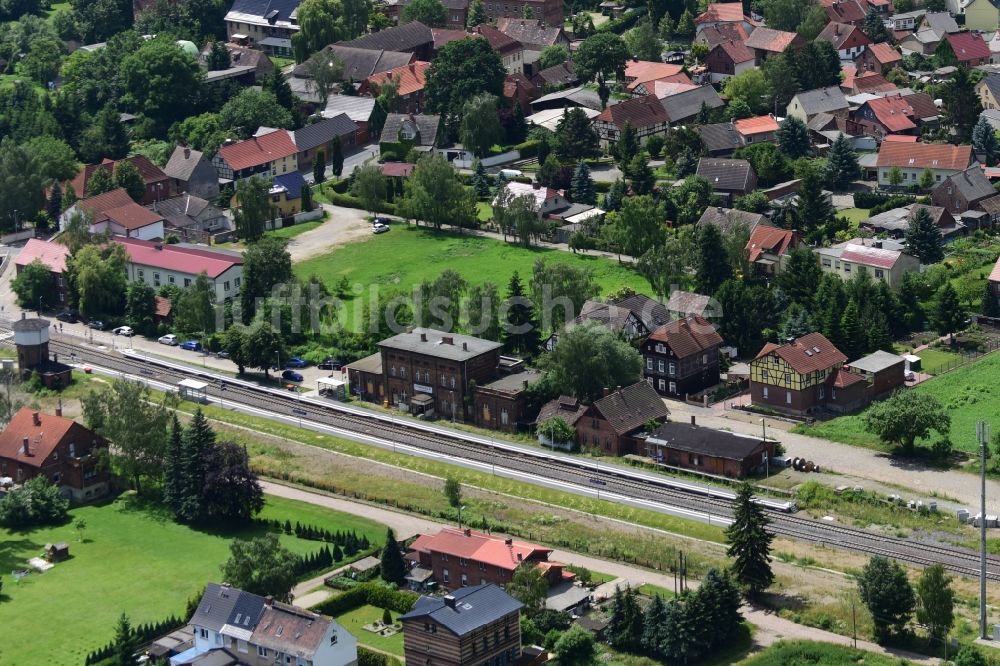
(355, 620)
(969, 393)
(134, 559)
(808, 653)
(398, 261)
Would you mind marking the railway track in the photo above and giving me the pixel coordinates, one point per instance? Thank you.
(611, 481)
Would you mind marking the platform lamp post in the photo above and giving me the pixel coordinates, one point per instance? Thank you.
(460, 507)
(767, 455)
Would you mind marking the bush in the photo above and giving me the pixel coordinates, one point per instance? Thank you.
(626, 21)
(897, 201)
(372, 594)
(528, 149)
(37, 502)
(865, 199)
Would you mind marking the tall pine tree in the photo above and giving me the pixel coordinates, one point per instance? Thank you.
(336, 158)
(173, 481)
(984, 139)
(393, 566)
(713, 267)
(582, 185)
(199, 438)
(841, 164)
(125, 643)
(950, 317)
(750, 543)
(852, 341)
(521, 328)
(923, 237)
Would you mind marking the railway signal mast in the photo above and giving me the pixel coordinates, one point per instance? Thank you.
(983, 435)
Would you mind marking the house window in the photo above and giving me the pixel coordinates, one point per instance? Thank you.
(694, 459)
(673, 387)
(822, 392)
(503, 417)
(139, 273)
(187, 282)
(847, 267)
(704, 359)
(225, 285)
(660, 349)
(241, 645)
(462, 562)
(333, 638)
(445, 576)
(649, 364)
(673, 368)
(236, 282)
(765, 393)
(763, 375)
(788, 378)
(465, 580)
(261, 651)
(788, 397)
(663, 386)
(203, 632)
(170, 279)
(661, 366)
(444, 557)
(156, 279)
(879, 273)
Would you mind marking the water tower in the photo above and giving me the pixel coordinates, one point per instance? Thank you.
(31, 337)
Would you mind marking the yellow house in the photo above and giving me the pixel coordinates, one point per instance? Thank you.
(982, 15)
(989, 91)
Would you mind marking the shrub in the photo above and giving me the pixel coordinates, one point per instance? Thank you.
(528, 149)
(372, 594)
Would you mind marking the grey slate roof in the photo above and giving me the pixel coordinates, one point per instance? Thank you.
(876, 362)
(475, 607)
(650, 312)
(578, 96)
(687, 104)
(264, 8)
(559, 75)
(221, 604)
(567, 407)
(183, 208)
(971, 183)
(360, 63)
(726, 174)
(426, 125)
(358, 109)
(181, 167)
(704, 441)
(942, 23)
(728, 218)
(407, 37)
(531, 32)
(631, 407)
(822, 100)
(461, 347)
(720, 137)
(323, 131)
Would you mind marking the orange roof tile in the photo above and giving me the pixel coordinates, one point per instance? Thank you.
(409, 79)
(884, 53)
(774, 41)
(637, 71)
(51, 253)
(807, 354)
(258, 150)
(995, 273)
(771, 240)
(756, 125)
(729, 12)
(924, 155)
(479, 547)
(42, 438)
(893, 112)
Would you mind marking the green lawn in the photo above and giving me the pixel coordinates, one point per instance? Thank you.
(808, 653)
(355, 621)
(133, 559)
(855, 216)
(402, 259)
(935, 361)
(484, 211)
(968, 393)
(295, 229)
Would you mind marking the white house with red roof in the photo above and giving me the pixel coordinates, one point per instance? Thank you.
(768, 248)
(884, 260)
(911, 159)
(116, 212)
(159, 264)
(53, 256)
(270, 154)
(546, 199)
(758, 129)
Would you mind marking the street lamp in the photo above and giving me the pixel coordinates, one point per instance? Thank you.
(767, 455)
(277, 368)
(460, 507)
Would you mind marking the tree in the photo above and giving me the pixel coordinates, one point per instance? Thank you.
(961, 103)
(750, 543)
(218, 57)
(887, 594)
(598, 58)
(80, 525)
(923, 237)
(627, 145)
(552, 55)
(336, 158)
(817, 65)
(480, 127)
(253, 207)
(685, 24)
(140, 304)
(625, 618)
(935, 602)
(643, 42)
(875, 28)
(984, 139)
(949, 316)
(814, 211)
(96, 275)
(576, 646)
(128, 178)
(321, 22)
(529, 586)
(769, 163)
(667, 266)
(159, 80)
(261, 566)
(434, 194)
(319, 167)
(841, 164)
(453, 492)
(125, 643)
(851, 335)
(905, 417)
(251, 109)
(54, 157)
(35, 284)
(793, 138)
(173, 475)
(560, 290)
(990, 302)
(614, 196)
(478, 16)
(582, 185)
(813, 23)
(575, 137)
(784, 14)
(519, 215)
(194, 309)
(782, 79)
(521, 332)
(196, 443)
(53, 208)
(127, 416)
(21, 185)
(712, 268)
(393, 566)
(36, 502)
(969, 655)
(369, 187)
(641, 224)
(801, 277)
(462, 69)
(926, 180)
(100, 181)
(326, 72)
(266, 264)
(589, 358)
(429, 12)
(232, 493)
(641, 176)
(895, 176)
(749, 86)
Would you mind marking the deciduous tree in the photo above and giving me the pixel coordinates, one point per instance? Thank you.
(34, 285)
(480, 127)
(429, 12)
(369, 187)
(462, 69)
(588, 358)
(935, 602)
(128, 178)
(905, 417)
(321, 23)
(576, 646)
(598, 58)
(434, 194)
(253, 208)
(21, 185)
(261, 566)
(949, 315)
(160, 80)
(552, 55)
(887, 594)
(528, 586)
(251, 109)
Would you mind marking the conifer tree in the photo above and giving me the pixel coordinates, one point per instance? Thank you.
(984, 139)
(923, 238)
(125, 644)
(654, 626)
(198, 440)
(173, 482)
(521, 328)
(393, 566)
(627, 146)
(841, 164)
(793, 138)
(582, 185)
(54, 206)
(750, 543)
(850, 332)
(614, 196)
(319, 167)
(991, 302)
(336, 158)
(949, 314)
(480, 181)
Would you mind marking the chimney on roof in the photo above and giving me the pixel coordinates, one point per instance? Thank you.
(467, 532)
(465, 346)
(618, 389)
(36, 418)
(604, 392)
(449, 601)
(187, 153)
(268, 600)
(520, 557)
(536, 186)
(158, 246)
(692, 420)
(423, 337)
(508, 541)
(23, 315)
(59, 407)
(877, 245)
(447, 340)
(24, 442)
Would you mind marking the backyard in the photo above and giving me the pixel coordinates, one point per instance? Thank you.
(398, 261)
(133, 558)
(354, 622)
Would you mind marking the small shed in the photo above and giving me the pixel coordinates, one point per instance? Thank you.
(332, 388)
(193, 390)
(56, 552)
(365, 565)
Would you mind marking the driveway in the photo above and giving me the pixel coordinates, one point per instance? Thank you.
(342, 226)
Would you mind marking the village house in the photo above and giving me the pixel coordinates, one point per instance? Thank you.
(157, 183)
(765, 42)
(320, 136)
(682, 304)
(409, 130)
(728, 59)
(969, 48)
(896, 114)
(964, 191)
(884, 373)
(546, 199)
(638, 72)
(461, 558)
(286, 196)
(989, 91)
(796, 377)
(555, 78)
(911, 159)
(848, 40)
(502, 403)
(159, 264)
(894, 223)
(409, 80)
(615, 423)
(263, 632)
(707, 450)
(192, 218)
(879, 58)
(722, 32)
(729, 178)
(509, 49)
(190, 171)
(682, 357)
(883, 259)
(533, 34)
(645, 114)
(360, 63)
(905, 21)
(565, 407)
(269, 25)
(769, 248)
(721, 13)
(728, 219)
(867, 83)
(759, 129)
(684, 104)
(720, 139)
(52, 254)
(632, 317)
(270, 154)
(359, 109)
(851, 12)
(806, 105)
(413, 37)
(61, 450)
(116, 213)
(469, 627)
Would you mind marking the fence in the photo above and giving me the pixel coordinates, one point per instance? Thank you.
(964, 358)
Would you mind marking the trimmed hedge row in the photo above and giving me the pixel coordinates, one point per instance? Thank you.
(367, 657)
(371, 594)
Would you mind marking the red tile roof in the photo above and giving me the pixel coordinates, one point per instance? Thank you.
(737, 51)
(42, 439)
(180, 259)
(150, 172)
(723, 32)
(884, 53)
(688, 336)
(924, 155)
(115, 198)
(900, 138)
(479, 547)
(258, 150)
(163, 307)
(444, 36)
(771, 240)
(844, 11)
(726, 12)
(639, 111)
(995, 273)
(499, 42)
(894, 112)
(871, 82)
(398, 169)
(841, 378)
(637, 71)
(131, 216)
(50, 253)
(968, 46)
(756, 125)
(843, 35)
(766, 39)
(807, 354)
(409, 79)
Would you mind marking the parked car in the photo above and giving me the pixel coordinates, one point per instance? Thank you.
(291, 376)
(124, 330)
(296, 362)
(379, 228)
(96, 324)
(330, 363)
(382, 220)
(191, 345)
(69, 316)
(222, 354)
(168, 339)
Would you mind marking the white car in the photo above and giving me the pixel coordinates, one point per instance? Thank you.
(168, 339)
(124, 330)
(379, 228)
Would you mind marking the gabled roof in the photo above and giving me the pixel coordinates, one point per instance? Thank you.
(649, 311)
(180, 259)
(499, 42)
(443, 36)
(972, 184)
(43, 438)
(105, 201)
(289, 630)
(566, 407)
(995, 273)
(893, 112)
(924, 155)
(407, 37)
(876, 361)
(290, 183)
(822, 100)
(726, 174)
(940, 22)
(704, 441)
(183, 209)
(992, 82)
(409, 79)
(558, 75)
(843, 36)
(130, 217)
(756, 125)
(425, 125)
(51, 253)
(361, 63)
(276, 10)
(688, 336)
(720, 137)
(358, 109)
(884, 53)
(470, 544)
(324, 131)
(871, 82)
(735, 51)
(727, 219)
(773, 41)
(665, 87)
(688, 302)
(841, 378)
(182, 163)
(807, 354)
(688, 103)
(638, 71)
(639, 111)
(724, 12)
(451, 346)
(538, 193)
(968, 46)
(723, 32)
(630, 408)
(867, 255)
(468, 609)
(534, 32)
(845, 11)
(258, 150)
(765, 239)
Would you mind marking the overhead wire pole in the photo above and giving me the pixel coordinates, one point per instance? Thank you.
(983, 435)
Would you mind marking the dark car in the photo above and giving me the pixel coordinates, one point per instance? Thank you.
(296, 362)
(97, 325)
(222, 354)
(382, 220)
(191, 345)
(330, 363)
(69, 316)
(291, 376)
